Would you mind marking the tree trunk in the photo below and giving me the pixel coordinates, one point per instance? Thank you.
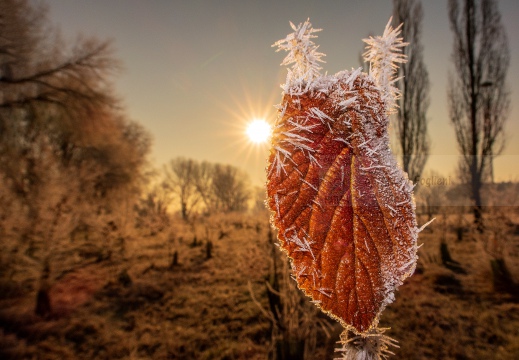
(476, 196)
(43, 305)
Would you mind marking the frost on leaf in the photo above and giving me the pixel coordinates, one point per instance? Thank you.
(302, 54)
(343, 208)
(384, 54)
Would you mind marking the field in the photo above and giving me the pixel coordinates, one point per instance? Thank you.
(201, 291)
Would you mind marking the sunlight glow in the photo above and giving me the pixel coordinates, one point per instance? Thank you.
(258, 131)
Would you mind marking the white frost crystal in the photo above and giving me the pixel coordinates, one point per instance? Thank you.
(384, 53)
(303, 54)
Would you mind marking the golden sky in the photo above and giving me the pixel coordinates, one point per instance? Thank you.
(196, 72)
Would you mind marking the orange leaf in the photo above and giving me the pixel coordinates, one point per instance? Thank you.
(343, 209)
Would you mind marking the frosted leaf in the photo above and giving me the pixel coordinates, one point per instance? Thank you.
(303, 54)
(344, 209)
(384, 53)
(342, 206)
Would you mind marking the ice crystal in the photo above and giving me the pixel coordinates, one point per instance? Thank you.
(372, 346)
(384, 53)
(303, 54)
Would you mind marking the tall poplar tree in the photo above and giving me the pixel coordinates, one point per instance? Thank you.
(411, 116)
(479, 98)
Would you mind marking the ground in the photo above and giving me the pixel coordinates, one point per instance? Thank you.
(215, 306)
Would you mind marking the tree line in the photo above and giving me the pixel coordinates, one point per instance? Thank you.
(192, 187)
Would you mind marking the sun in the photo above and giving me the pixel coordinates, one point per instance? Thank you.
(258, 131)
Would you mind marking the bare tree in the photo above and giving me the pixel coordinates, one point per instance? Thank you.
(37, 66)
(180, 176)
(204, 186)
(479, 98)
(411, 117)
(221, 187)
(230, 188)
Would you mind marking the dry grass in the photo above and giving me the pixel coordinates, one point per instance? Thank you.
(143, 308)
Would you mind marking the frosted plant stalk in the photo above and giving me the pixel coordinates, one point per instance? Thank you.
(384, 53)
(372, 346)
(303, 54)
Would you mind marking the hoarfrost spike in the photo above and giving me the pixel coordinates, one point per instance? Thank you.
(303, 54)
(384, 53)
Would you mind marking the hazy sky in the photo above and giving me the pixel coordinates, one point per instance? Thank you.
(196, 71)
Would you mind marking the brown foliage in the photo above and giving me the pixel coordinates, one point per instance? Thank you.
(70, 161)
